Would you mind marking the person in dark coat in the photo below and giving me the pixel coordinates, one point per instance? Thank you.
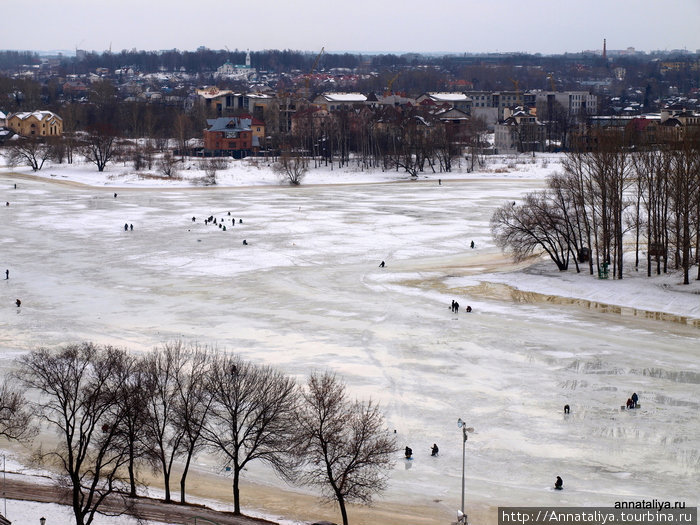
(381, 264)
(434, 450)
(18, 303)
(635, 399)
(126, 227)
(566, 409)
(408, 453)
(559, 484)
(7, 274)
(469, 308)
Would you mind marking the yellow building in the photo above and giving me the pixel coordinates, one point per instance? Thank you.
(36, 124)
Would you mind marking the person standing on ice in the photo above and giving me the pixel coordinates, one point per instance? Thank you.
(559, 484)
(434, 450)
(381, 264)
(7, 274)
(635, 398)
(472, 245)
(408, 453)
(453, 305)
(630, 403)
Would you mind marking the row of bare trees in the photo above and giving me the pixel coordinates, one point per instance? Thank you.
(611, 199)
(409, 139)
(116, 414)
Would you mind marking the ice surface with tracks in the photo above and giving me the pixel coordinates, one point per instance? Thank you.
(307, 293)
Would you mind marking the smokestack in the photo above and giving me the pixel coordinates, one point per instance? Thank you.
(605, 51)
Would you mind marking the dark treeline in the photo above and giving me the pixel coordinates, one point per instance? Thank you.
(411, 140)
(118, 415)
(13, 59)
(208, 60)
(610, 199)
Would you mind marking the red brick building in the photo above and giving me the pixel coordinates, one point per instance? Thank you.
(229, 137)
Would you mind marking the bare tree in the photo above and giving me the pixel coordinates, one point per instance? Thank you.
(15, 414)
(77, 385)
(131, 397)
(167, 164)
(211, 166)
(167, 439)
(100, 145)
(346, 447)
(252, 417)
(292, 167)
(30, 152)
(194, 401)
(537, 224)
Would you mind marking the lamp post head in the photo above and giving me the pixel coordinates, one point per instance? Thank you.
(461, 424)
(42, 520)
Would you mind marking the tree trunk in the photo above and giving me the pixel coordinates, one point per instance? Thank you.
(343, 512)
(236, 492)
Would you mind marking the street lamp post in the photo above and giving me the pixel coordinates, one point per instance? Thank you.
(461, 424)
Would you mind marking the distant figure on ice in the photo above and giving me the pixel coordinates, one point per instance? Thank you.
(566, 409)
(115, 195)
(456, 310)
(194, 219)
(245, 243)
(229, 214)
(7, 204)
(472, 244)
(18, 303)
(131, 227)
(630, 403)
(7, 274)
(558, 484)
(635, 399)
(240, 221)
(381, 264)
(434, 450)
(453, 305)
(439, 184)
(126, 227)
(408, 453)
(469, 308)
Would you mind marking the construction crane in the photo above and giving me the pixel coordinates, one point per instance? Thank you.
(516, 85)
(390, 83)
(308, 76)
(550, 77)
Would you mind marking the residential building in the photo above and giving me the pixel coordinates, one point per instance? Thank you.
(226, 102)
(229, 136)
(574, 102)
(334, 101)
(520, 131)
(455, 100)
(36, 124)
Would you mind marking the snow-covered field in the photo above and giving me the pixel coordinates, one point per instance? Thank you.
(307, 293)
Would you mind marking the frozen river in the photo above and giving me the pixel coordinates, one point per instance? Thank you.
(307, 293)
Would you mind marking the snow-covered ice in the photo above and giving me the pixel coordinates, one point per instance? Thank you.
(307, 294)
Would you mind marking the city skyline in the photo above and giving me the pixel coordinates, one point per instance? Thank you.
(444, 26)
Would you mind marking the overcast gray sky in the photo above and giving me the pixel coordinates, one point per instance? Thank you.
(543, 26)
